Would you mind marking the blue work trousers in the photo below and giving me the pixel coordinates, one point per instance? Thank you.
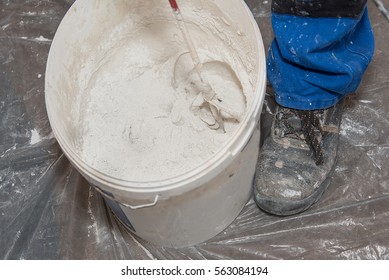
(320, 51)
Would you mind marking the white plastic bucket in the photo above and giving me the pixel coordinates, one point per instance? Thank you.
(176, 212)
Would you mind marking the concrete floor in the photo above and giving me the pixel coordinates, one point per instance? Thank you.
(48, 211)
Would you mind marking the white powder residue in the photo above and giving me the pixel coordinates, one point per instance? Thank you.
(35, 137)
(39, 39)
(5, 26)
(42, 39)
(141, 117)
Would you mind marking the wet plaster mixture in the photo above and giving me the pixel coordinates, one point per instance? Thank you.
(145, 102)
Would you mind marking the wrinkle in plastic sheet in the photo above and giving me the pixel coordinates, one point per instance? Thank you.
(48, 211)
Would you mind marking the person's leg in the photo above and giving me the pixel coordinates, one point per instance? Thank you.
(320, 52)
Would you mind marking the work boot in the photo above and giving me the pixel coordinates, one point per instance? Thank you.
(297, 159)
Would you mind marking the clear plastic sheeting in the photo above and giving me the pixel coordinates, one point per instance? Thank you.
(48, 211)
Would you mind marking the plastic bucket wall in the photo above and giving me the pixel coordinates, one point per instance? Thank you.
(180, 211)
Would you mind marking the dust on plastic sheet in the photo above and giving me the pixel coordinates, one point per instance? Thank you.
(48, 211)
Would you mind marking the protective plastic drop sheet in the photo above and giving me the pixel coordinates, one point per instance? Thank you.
(48, 211)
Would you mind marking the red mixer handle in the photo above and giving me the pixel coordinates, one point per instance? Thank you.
(174, 5)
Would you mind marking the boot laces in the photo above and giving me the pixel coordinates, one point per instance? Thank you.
(310, 129)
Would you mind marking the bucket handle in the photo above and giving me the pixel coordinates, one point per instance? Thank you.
(151, 204)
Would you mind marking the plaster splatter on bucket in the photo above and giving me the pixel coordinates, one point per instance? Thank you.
(130, 110)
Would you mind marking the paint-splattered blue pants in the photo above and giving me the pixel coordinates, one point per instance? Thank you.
(320, 51)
